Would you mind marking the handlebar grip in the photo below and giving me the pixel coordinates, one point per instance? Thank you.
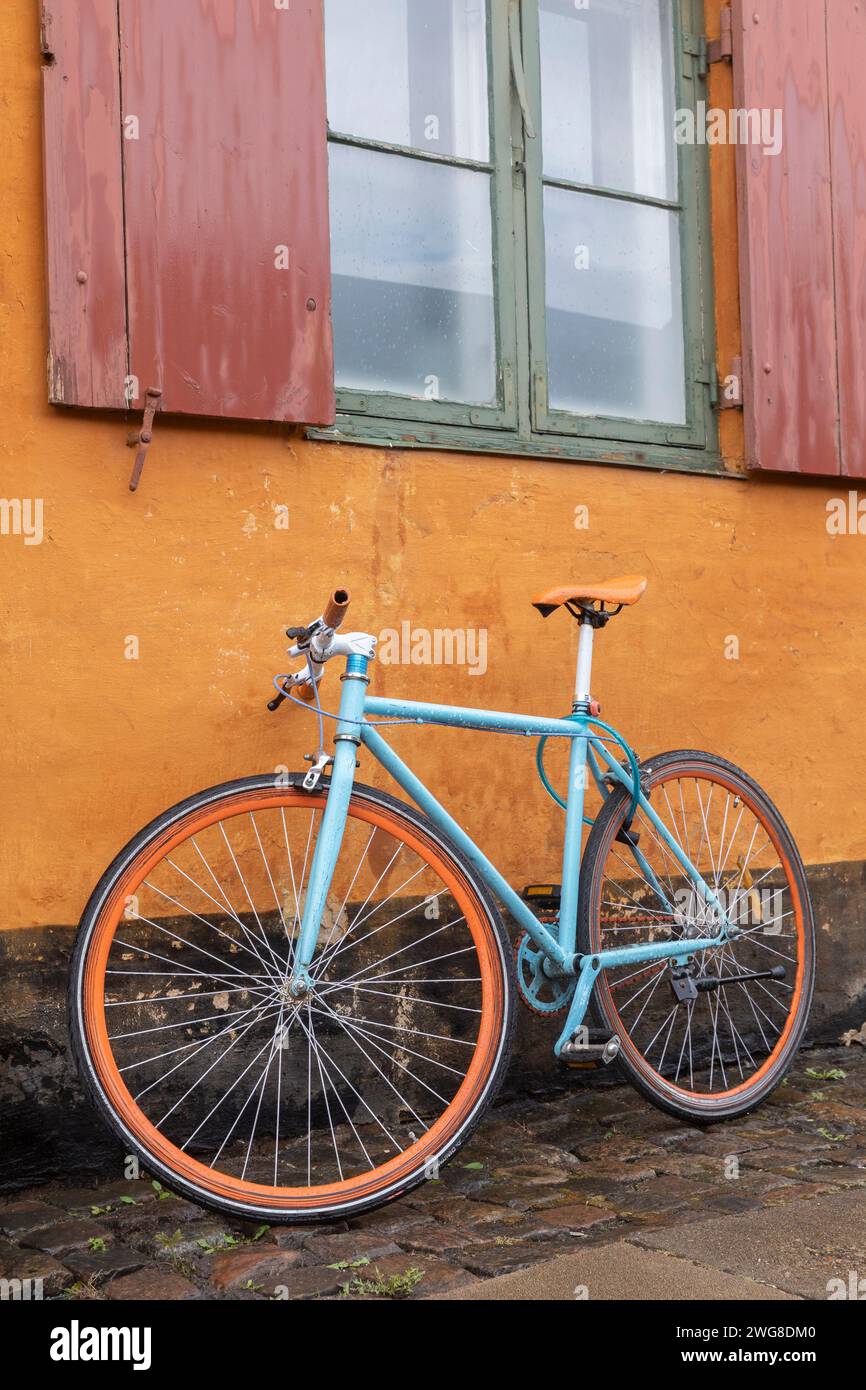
(335, 611)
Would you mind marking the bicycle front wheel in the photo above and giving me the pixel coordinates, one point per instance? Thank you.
(710, 1042)
(236, 1094)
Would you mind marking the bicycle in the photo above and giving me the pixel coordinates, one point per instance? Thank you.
(293, 996)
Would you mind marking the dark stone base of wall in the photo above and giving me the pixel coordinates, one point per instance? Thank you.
(47, 1130)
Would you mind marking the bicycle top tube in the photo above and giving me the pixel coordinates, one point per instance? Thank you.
(468, 717)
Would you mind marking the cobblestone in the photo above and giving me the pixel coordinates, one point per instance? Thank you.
(64, 1237)
(96, 1266)
(20, 1218)
(583, 1166)
(151, 1286)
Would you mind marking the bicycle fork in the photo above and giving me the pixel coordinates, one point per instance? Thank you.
(330, 837)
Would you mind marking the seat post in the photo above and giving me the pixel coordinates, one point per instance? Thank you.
(582, 694)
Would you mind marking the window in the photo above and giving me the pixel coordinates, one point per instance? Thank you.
(519, 258)
(413, 177)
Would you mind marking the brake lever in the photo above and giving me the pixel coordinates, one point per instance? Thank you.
(303, 634)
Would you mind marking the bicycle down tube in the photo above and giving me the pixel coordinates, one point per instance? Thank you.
(352, 730)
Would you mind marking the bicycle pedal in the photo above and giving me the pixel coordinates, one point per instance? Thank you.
(590, 1048)
(544, 899)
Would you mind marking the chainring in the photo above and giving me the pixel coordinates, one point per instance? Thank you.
(541, 994)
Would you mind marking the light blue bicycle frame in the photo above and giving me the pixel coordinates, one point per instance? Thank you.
(587, 749)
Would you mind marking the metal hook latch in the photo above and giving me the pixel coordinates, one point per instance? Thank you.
(153, 398)
(313, 777)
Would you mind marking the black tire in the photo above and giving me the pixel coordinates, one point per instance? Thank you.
(603, 836)
(81, 1050)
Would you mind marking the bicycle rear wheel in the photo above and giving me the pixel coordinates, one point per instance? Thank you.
(238, 1095)
(718, 1047)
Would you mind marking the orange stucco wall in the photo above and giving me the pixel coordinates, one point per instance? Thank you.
(194, 567)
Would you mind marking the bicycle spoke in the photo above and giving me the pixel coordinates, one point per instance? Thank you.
(402, 1099)
(150, 954)
(251, 940)
(402, 949)
(414, 999)
(270, 878)
(196, 1043)
(312, 1037)
(365, 1104)
(345, 945)
(188, 912)
(369, 1037)
(175, 998)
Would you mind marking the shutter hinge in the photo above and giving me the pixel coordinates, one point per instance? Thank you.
(145, 435)
(695, 46)
(721, 50)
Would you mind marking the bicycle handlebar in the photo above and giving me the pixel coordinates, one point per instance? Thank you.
(326, 626)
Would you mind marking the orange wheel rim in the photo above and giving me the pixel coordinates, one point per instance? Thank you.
(389, 1174)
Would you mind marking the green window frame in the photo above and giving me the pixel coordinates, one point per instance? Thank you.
(521, 421)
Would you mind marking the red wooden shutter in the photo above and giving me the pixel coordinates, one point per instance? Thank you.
(222, 143)
(846, 47)
(786, 239)
(84, 204)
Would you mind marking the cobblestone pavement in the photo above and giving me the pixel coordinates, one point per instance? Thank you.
(582, 1166)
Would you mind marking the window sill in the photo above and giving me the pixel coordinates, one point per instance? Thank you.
(402, 434)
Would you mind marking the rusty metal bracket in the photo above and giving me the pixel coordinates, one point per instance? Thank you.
(721, 50)
(145, 435)
(46, 45)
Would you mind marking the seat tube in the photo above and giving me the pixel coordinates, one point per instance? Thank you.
(573, 842)
(576, 796)
(330, 836)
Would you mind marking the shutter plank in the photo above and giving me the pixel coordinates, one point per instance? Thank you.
(230, 164)
(87, 361)
(846, 34)
(786, 240)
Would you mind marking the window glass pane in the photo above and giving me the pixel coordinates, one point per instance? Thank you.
(614, 308)
(409, 73)
(411, 264)
(608, 94)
